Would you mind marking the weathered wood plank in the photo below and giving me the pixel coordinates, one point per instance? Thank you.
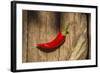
(89, 35)
(81, 38)
(33, 37)
(42, 18)
(65, 49)
(52, 31)
(24, 41)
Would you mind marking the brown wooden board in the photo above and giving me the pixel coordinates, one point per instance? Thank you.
(43, 26)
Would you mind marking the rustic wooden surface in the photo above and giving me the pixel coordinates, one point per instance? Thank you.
(43, 26)
(24, 41)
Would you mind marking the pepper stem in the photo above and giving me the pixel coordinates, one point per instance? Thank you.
(65, 31)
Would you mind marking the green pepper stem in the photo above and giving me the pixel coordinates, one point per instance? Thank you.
(65, 31)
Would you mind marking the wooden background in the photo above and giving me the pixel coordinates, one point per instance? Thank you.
(43, 26)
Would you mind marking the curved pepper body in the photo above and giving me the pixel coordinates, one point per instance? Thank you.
(54, 43)
(60, 38)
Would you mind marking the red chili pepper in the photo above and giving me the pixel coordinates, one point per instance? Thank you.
(60, 38)
(54, 43)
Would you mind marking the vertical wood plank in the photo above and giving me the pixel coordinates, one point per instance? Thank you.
(42, 18)
(51, 34)
(65, 49)
(80, 49)
(84, 49)
(24, 41)
(89, 35)
(33, 37)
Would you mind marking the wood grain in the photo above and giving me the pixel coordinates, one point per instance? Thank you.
(33, 37)
(43, 26)
(42, 35)
(89, 35)
(24, 44)
(81, 37)
(51, 34)
(65, 49)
